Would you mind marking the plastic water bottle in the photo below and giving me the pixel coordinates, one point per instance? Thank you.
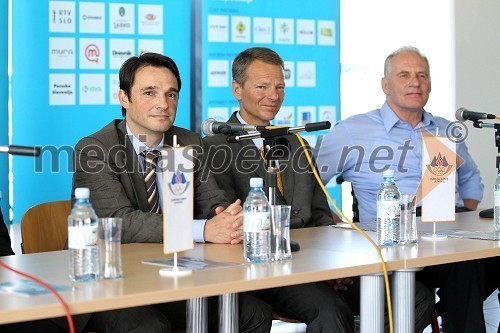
(388, 210)
(256, 224)
(82, 239)
(496, 213)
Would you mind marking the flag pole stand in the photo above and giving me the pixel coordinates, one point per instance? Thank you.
(175, 271)
(434, 235)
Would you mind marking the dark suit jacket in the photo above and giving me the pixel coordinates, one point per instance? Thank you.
(5, 246)
(233, 164)
(106, 163)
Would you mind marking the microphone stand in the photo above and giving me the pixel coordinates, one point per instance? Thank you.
(276, 148)
(489, 213)
(20, 150)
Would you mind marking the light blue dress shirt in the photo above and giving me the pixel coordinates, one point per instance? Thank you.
(360, 147)
(139, 147)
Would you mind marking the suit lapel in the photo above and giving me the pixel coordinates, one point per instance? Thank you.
(133, 169)
(256, 165)
(169, 137)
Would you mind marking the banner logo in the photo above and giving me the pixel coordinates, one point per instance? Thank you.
(439, 166)
(178, 185)
(92, 53)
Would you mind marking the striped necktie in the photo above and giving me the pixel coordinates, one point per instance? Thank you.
(151, 160)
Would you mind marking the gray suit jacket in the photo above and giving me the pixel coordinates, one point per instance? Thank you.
(106, 163)
(233, 164)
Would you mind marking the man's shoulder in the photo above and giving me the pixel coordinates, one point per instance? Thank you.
(216, 139)
(363, 117)
(106, 135)
(439, 120)
(111, 127)
(360, 121)
(187, 136)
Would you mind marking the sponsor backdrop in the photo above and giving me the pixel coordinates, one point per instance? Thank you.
(66, 59)
(4, 115)
(306, 37)
(66, 56)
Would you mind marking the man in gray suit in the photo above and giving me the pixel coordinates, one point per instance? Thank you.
(110, 163)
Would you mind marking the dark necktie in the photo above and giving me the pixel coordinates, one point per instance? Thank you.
(151, 160)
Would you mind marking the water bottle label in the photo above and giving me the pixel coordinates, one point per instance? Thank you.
(254, 222)
(497, 198)
(387, 209)
(83, 237)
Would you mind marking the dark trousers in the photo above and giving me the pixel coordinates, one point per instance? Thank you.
(36, 326)
(463, 287)
(254, 316)
(316, 304)
(326, 310)
(54, 325)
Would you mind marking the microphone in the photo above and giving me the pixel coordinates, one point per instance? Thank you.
(280, 131)
(463, 114)
(20, 150)
(211, 127)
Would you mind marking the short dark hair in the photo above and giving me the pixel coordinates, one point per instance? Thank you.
(133, 64)
(246, 57)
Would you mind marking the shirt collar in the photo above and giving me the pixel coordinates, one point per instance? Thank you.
(140, 146)
(390, 119)
(240, 118)
(257, 141)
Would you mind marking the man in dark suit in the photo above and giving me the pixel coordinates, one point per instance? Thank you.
(301, 190)
(110, 163)
(5, 247)
(259, 86)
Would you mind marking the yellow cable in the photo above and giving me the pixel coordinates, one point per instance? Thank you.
(355, 227)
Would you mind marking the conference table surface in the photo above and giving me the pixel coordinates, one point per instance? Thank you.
(326, 253)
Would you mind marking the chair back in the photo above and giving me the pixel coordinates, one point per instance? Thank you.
(44, 227)
(355, 210)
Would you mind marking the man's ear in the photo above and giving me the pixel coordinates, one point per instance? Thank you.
(385, 89)
(237, 90)
(123, 98)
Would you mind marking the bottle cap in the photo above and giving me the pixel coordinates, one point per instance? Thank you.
(256, 182)
(388, 173)
(82, 193)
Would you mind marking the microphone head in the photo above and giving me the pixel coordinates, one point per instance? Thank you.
(459, 114)
(206, 127)
(311, 127)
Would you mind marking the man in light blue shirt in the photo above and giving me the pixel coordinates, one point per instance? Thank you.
(361, 147)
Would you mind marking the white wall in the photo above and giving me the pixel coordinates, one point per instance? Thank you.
(371, 30)
(477, 29)
(460, 38)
